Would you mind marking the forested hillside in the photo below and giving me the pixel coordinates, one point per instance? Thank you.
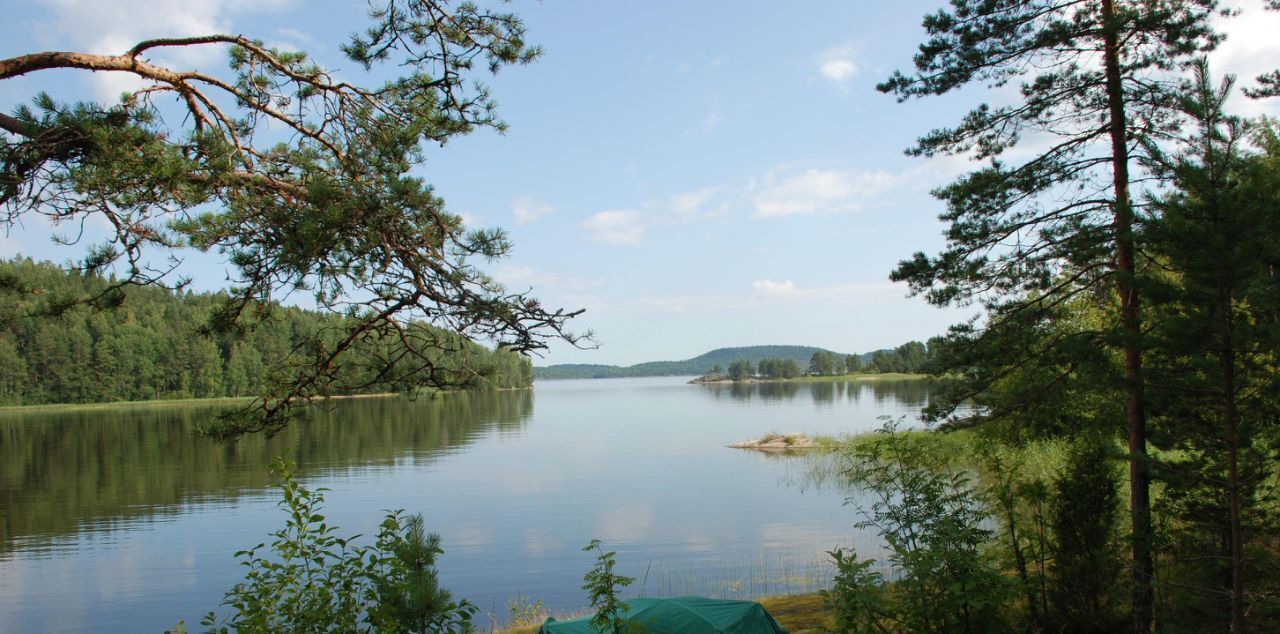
(909, 357)
(700, 364)
(150, 348)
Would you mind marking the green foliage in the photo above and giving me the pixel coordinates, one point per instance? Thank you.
(1025, 237)
(824, 363)
(802, 356)
(310, 581)
(1086, 570)
(700, 364)
(406, 585)
(1017, 497)
(741, 369)
(909, 358)
(334, 212)
(151, 348)
(602, 586)
(525, 612)
(315, 581)
(857, 596)
(778, 369)
(1214, 361)
(929, 514)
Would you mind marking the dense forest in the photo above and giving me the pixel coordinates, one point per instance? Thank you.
(909, 357)
(149, 347)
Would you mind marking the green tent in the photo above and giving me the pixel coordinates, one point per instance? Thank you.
(686, 615)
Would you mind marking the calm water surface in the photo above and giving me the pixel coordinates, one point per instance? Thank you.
(124, 520)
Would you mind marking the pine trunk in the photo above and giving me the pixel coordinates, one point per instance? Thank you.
(1226, 358)
(1126, 287)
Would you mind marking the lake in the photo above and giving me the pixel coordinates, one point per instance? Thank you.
(122, 519)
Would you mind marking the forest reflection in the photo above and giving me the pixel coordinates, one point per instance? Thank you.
(68, 471)
(913, 393)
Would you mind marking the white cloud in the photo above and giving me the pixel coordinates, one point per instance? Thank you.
(470, 220)
(618, 226)
(839, 64)
(699, 204)
(839, 70)
(713, 119)
(768, 292)
(528, 276)
(770, 287)
(818, 191)
(787, 192)
(1250, 50)
(527, 209)
(294, 35)
(686, 67)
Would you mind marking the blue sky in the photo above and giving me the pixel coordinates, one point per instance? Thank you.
(693, 174)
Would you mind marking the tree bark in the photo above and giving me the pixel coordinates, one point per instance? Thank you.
(1226, 361)
(1143, 600)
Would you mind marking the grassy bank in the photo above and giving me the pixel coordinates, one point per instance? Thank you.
(112, 405)
(963, 448)
(179, 402)
(887, 376)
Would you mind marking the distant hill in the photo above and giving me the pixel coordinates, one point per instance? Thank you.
(700, 364)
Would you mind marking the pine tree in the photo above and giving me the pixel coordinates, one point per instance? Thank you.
(1214, 344)
(333, 213)
(1094, 77)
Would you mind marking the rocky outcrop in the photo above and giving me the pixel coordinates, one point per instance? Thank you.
(777, 442)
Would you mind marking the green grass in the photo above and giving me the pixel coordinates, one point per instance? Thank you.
(887, 376)
(800, 613)
(77, 407)
(841, 378)
(177, 402)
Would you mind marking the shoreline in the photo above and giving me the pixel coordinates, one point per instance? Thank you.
(213, 401)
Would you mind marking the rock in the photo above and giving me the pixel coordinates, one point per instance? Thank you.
(777, 442)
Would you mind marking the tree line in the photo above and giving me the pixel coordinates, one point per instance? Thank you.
(913, 357)
(150, 347)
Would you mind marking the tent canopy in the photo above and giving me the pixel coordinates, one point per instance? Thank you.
(691, 615)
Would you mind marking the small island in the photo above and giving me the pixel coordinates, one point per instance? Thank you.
(772, 442)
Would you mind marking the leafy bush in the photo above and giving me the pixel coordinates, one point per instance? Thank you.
(603, 585)
(1086, 569)
(525, 612)
(857, 594)
(311, 580)
(932, 521)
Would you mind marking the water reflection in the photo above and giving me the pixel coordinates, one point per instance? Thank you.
(910, 393)
(826, 393)
(124, 520)
(66, 471)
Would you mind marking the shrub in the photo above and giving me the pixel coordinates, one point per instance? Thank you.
(1086, 570)
(932, 521)
(603, 585)
(311, 580)
(857, 594)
